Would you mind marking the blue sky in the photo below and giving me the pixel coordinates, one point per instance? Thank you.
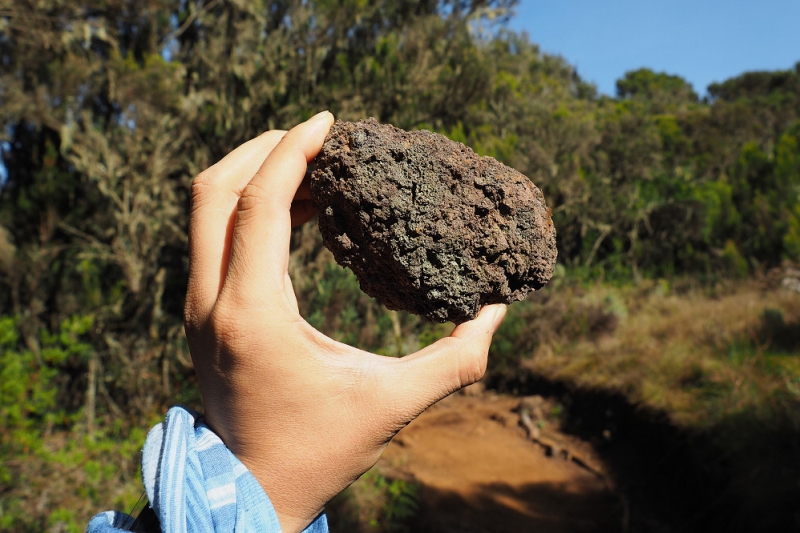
(701, 40)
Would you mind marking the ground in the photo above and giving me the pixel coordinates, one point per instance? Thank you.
(479, 471)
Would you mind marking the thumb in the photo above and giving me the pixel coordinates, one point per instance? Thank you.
(449, 364)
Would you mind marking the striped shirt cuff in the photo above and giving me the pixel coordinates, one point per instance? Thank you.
(196, 484)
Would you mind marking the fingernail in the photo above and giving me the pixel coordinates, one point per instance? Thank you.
(319, 116)
(499, 315)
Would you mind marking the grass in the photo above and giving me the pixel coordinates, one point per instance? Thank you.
(697, 357)
(58, 481)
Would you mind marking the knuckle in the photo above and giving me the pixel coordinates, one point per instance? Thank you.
(224, 324)
(233, 331)
(202, 182)
(189, 317)
(192, 317)
(252, 198)
(201, 189)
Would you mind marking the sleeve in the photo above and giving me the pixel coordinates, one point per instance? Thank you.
(195, 484)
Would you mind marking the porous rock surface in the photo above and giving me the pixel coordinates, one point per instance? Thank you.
(427, 225)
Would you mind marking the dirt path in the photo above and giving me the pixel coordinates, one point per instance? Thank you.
(479, 472)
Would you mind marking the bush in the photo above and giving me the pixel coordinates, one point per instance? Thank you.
(48, 459)
(374, 504)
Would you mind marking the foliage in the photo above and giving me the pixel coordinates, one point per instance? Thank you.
(374, 504)
(553, 322)
(53, 471)
(656, 88)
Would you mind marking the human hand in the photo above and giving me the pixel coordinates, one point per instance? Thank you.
(307, 415)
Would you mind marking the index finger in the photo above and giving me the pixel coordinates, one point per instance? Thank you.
(214, 195)
(260, 243)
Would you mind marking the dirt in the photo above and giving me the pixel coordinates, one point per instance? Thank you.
(479, 470)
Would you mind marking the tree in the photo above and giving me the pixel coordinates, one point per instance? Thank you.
(660, 89)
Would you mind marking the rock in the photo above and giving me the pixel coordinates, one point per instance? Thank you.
(427, 225)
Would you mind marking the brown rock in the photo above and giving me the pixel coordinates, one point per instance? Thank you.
(427, 225)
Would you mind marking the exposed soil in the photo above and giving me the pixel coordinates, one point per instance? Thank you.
(563, 459)
(479, 471)
(675, 479)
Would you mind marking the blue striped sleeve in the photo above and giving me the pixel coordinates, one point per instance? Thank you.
(195, 484)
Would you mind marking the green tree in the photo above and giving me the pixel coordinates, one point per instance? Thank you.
(660, 89)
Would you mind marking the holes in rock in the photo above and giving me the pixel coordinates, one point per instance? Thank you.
(433, 259)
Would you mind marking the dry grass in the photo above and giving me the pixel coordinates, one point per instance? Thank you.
(699, 358)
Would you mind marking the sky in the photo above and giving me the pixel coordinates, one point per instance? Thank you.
(703, 41)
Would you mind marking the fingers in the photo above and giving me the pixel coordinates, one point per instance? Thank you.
(447, 365)
(215, 194)
(260, 241)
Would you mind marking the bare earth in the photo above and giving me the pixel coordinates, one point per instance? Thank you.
(480, 472)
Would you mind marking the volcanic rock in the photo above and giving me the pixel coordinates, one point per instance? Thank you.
(426, 224)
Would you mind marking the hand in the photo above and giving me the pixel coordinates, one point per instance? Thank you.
(307, 415)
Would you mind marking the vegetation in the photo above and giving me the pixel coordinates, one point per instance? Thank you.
(720, 364)
(374, 504)
(697, 358)
(107, 112)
